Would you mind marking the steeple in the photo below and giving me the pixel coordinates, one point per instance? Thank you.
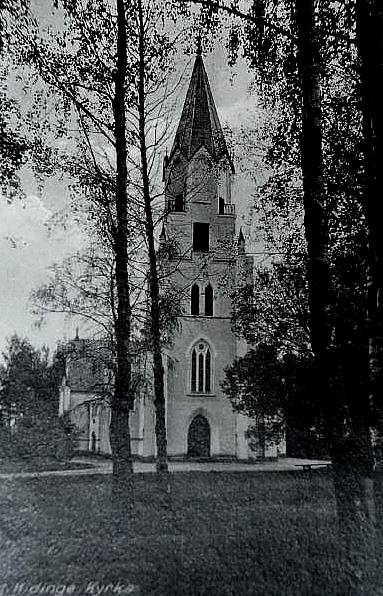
(241, 243)
(162, 238)
(199, 124)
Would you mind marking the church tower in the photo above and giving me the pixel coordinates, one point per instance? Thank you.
(204, 260)
(203, 256)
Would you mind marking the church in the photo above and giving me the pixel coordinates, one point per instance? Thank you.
(206, 260)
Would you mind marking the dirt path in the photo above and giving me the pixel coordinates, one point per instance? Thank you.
(105, 467)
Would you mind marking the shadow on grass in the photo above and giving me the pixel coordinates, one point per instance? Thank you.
(218, 534)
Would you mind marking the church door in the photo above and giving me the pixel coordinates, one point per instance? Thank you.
(199, 437)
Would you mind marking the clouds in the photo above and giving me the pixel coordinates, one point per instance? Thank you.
(28, 245)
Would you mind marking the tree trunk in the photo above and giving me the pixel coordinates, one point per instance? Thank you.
(370, 47)
(315, 208)
(120, 442)
(316, 219)
(159, 396)
(350, 457)
(122, 400)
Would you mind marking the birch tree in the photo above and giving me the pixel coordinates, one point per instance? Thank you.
(111, 90)
(81, 73)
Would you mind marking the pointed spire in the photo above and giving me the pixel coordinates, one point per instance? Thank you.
(199, 124)
(163, 234)
(199, 46)
(241, 243)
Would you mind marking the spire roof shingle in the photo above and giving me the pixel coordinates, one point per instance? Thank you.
(199, 124)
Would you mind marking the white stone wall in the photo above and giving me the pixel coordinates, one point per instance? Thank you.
(204, 185)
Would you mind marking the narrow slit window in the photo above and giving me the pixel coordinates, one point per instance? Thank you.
(200, 372)
(194, 371)
(209, 301)
(179, 202)
(194, 300)
(201, 237)
(207, 371)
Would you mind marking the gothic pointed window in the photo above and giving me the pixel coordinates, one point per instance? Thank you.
(208, 301)
(207, 371)
(194, 300)
(201, 372)
(201, 368)
(194, 371)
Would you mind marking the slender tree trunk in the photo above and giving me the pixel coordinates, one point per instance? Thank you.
(370, 48)
(315, 208)
(349, 455)
(159, 395)
(316, 218)
(122, 400)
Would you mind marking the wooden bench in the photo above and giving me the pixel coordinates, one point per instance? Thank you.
(308, 467)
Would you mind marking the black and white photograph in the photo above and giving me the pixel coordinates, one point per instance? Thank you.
(191, 313)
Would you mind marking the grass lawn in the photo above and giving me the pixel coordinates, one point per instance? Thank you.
(10, 466)
(251, 534)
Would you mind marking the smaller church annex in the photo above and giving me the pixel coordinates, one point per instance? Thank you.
(207, 259)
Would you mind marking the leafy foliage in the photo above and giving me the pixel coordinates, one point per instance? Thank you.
(49, 437)
(13, 151)
(14, 146)
(27, 378)
(273, 309)
(278, 393)
(254, 386)
(29, 403)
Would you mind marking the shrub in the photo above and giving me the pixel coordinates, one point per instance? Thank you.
(38, 437)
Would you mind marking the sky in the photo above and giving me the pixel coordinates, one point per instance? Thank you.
(29, 243)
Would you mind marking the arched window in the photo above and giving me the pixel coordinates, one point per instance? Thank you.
(209, 301)
(194, 300)
(194, 372)
(207, 371)
(201, 362)
(201, 368)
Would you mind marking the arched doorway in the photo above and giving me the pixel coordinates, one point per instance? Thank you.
(199, 437)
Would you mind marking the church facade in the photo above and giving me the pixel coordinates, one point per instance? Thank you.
(205, 260)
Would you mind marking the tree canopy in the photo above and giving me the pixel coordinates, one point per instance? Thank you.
(29, 393)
